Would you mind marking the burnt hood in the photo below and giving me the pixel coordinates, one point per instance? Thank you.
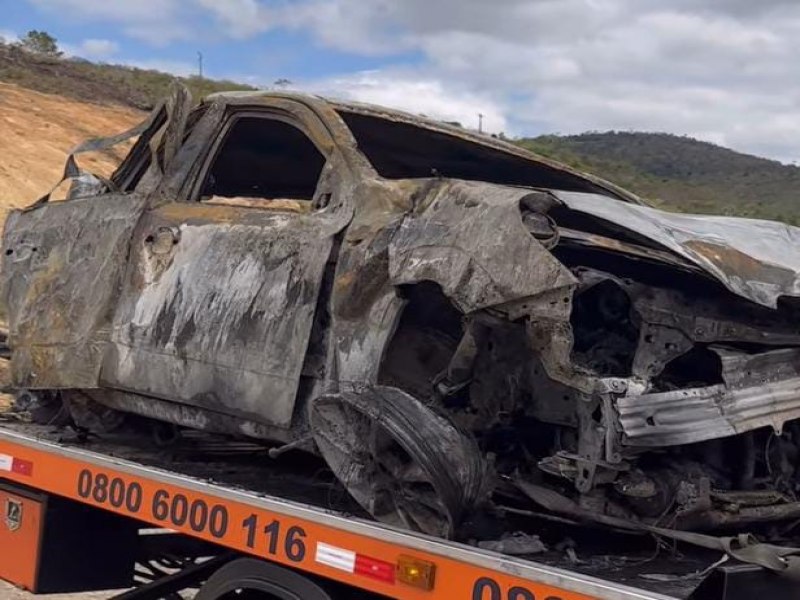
(756, 259)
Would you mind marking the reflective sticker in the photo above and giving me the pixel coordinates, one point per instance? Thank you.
(377, 569)
(15, 465)
(347, 560)
(338, 558)
(22, 467)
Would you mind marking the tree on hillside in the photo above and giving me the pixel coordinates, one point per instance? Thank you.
(40, 42)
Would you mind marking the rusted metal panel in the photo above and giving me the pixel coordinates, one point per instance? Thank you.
(761, 390)
(217, 308)
(571, 333)
(469, 238)
(753, 258)
(63, 263)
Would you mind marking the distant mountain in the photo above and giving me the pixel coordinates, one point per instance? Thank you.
(681, 173)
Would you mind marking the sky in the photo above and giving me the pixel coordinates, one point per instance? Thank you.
(724, 71)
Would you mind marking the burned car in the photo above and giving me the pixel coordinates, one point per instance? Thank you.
(435, 312)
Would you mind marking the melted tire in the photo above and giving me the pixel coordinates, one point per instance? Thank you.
(401, 461)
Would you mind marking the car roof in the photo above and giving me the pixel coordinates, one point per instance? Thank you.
(321, 104)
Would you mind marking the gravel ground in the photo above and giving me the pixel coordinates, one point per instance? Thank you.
(9, 592)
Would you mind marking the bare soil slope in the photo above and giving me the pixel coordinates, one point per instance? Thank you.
(36, 132)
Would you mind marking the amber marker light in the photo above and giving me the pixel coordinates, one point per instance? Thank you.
(415, 572)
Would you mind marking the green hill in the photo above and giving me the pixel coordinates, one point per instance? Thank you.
(97, 82)
(681, 173)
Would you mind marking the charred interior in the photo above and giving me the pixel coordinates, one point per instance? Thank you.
(267, 159)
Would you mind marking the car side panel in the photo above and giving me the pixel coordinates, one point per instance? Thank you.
(218, 307)
(62, 267)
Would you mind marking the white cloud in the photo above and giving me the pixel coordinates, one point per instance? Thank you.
(99, 48)
(723, 70)
(419, 96)
(331, 22)
(155, 21)
(94, 49)
(240, 18)
(175, 67)
(8, 37)
(112, 10)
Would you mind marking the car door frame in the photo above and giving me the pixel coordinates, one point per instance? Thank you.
(65, 260)
(181, 185)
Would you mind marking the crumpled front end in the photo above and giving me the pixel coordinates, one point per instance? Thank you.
(653, 382)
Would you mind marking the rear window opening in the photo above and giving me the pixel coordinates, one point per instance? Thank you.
(264, 159)
(400, 150)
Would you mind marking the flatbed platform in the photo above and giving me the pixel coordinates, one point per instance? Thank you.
(241, 486)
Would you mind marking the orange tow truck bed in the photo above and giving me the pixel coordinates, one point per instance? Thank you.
(236, 511)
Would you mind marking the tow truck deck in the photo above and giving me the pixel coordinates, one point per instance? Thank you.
(236, 501)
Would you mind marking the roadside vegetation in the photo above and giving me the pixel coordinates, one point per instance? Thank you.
(681, 173)
(37, 63)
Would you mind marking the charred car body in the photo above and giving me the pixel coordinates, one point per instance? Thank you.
(436, 313)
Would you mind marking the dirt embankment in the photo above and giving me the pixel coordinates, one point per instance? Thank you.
(36, 132)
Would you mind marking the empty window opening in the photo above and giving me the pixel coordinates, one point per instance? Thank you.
(264, 162)
(606, 336)
(400, 150)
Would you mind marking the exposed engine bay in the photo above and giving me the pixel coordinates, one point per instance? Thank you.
(675, 406)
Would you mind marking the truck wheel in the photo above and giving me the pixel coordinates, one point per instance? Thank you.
(405, 464)
(251, 579)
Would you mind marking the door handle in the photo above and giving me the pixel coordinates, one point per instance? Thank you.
(163, 239)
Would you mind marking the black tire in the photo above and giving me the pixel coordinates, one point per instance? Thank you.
(259, 576)
(435, 474)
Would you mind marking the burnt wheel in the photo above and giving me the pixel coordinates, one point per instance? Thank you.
(405, 464)
(251, 579)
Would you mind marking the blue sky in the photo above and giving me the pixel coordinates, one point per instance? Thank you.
(281, 53)
(720, 70)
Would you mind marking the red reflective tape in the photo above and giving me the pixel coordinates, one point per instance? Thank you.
(22, 467)
(372, 567)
